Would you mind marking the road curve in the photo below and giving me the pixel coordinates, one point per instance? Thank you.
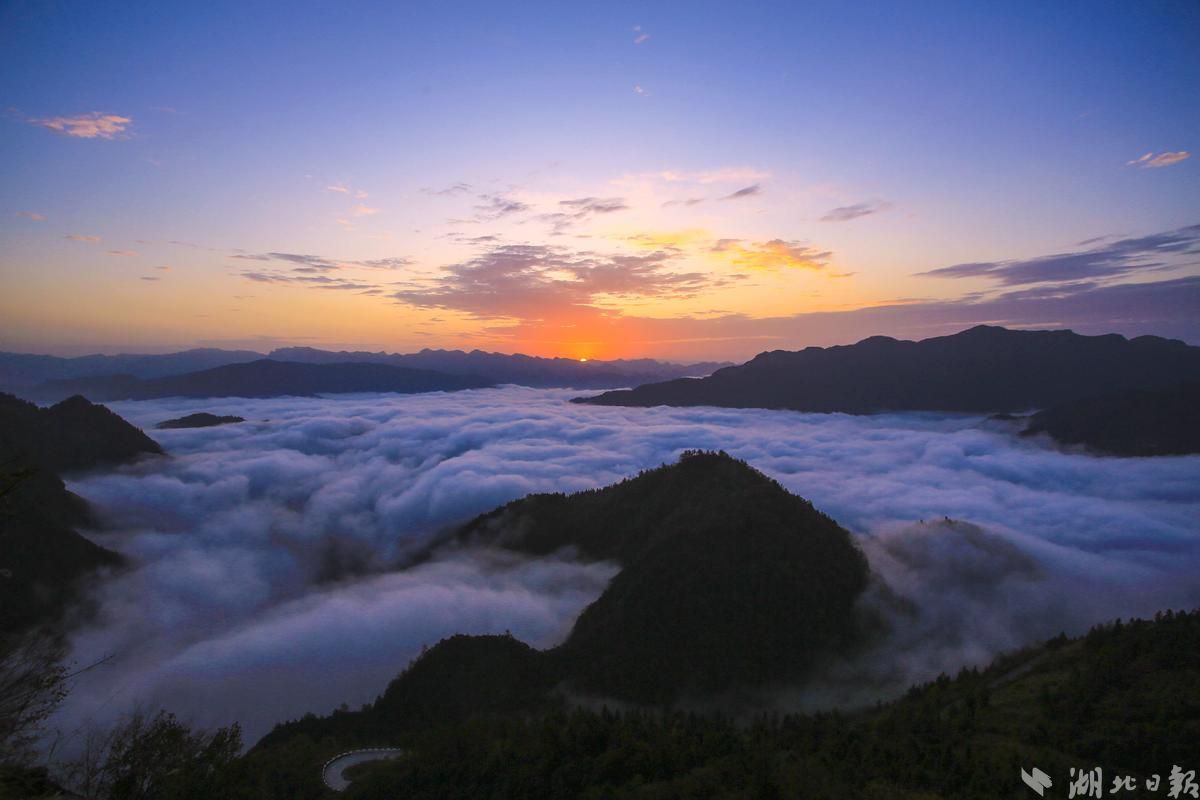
(331, 773)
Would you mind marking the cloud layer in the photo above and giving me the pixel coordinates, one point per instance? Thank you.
(262, 588)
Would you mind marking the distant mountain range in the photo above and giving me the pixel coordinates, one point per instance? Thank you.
(20, 372)
(519, 369)
(265, 378)
(984, 369)
(42, 557)
(28, 375)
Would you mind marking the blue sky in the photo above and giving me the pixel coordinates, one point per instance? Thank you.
(954, 133)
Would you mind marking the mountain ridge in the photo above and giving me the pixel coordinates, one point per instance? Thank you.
(982, 369)
(23, 373)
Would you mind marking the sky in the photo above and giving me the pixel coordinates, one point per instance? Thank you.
(602, 180)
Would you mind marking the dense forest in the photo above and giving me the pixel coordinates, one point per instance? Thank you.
(1124, 698)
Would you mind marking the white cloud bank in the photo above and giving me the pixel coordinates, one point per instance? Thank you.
(259, 592)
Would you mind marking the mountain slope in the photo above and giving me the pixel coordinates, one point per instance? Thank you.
(268, 378)
(984, 369)
(42, 557)
(1165, 422)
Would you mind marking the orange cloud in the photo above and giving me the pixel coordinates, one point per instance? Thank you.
(672, 240)
(772, 255)
(93, 125)
(768, 256)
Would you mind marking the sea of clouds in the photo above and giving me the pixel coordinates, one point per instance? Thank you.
(274, 569)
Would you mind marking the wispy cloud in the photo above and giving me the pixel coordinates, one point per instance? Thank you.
(1163, 159)
(361, 210)
(687, 201)
(341, 188)
(748, 191)
(721, 175)
(639, 35)
(581, 209)
(310, 281)
(32, 215)
(76, 237)
(494, 206)
(93, 125)
(1154, 253)
(638, 89)
(311, 264)
(124, 253)
(449, 191)
(847, 213)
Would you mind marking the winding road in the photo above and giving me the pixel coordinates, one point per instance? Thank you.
(331, 773)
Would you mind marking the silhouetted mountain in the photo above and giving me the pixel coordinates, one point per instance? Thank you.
(727, 579)
(71, 435)
(268, 378)
(983, 369)
(519, 369)
(200, 420)
(21, 371)
(42, 558)
(1165, 422)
